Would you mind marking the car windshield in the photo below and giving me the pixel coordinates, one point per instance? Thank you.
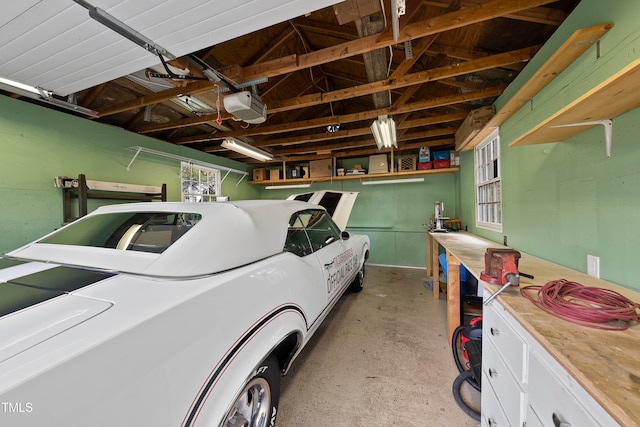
(133, 231)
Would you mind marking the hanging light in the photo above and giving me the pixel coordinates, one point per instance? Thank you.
(384, 132)
(246, 149)
(40, 94)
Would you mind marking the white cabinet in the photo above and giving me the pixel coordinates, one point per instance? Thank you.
(523, 385)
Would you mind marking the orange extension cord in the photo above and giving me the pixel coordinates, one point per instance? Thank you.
(587, 306)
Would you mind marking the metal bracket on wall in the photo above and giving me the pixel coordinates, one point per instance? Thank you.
(608, 130)
(596, 42)
(157, 153)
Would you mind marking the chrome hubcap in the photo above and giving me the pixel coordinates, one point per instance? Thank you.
(252, 407)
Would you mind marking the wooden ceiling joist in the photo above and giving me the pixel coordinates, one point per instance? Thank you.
(446, 72)
(540, 15)
(290, 63)
(348, 118)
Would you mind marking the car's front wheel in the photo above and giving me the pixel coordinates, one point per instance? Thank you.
(358, 282)
(257, 405)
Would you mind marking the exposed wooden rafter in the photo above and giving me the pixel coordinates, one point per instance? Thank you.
(291, 63)
(325, 76)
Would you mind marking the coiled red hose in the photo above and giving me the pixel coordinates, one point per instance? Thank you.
(583, 305)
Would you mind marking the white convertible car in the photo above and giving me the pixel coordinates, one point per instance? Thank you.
(168, 314)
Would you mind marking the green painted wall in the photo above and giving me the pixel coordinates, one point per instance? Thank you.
(562, 201)
(38, 144)
(392, 215)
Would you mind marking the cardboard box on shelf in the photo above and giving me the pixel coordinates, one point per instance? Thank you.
(378, 164)
(274, 175)
(425, 166)
(320, 168)
(470, 127)
(259, 174)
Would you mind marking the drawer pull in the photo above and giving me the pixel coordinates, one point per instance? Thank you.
(494, 332)
(557, 422)
(493, 373)
(492, 422)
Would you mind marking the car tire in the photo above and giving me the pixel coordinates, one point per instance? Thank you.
(358, 282)
(257, 405)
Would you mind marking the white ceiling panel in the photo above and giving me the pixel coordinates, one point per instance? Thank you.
(54, 44)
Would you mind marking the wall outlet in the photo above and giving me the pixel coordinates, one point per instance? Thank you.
(593, 266)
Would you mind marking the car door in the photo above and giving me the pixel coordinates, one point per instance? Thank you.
(335, 257)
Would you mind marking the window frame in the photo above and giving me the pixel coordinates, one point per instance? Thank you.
(488, 183)
(194, 177)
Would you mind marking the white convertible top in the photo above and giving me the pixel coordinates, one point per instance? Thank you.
(229, 235)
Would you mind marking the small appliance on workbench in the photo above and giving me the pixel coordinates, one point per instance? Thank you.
(438, 222)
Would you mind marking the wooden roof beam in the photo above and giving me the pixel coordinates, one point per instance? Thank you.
(447, 21)
(540, 15)
(349, 118)
(521, 55)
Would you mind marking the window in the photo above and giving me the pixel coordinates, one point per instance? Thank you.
(310, 231)
(488, 184)
(199, 184)
(130, 231)
(297, 240)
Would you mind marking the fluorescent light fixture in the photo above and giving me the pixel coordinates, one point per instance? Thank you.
(246, 149)
(18, 85)
(384, 132)
(393, 181)
(40, 94)
(398, 8)
(124, 30)
(277, 187)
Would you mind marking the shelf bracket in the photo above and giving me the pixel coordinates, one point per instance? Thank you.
(157, 153)
(596, 42)
(138, 150)
(529, 100)
(608, 131)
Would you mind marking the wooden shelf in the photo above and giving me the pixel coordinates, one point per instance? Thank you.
(616, 95)
(571, 49)
(402, 174)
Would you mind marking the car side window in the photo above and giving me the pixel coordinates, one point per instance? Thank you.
(309, 231)
(320, 228)
(297, 240)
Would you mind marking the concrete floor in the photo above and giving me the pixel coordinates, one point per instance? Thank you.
(381, 358)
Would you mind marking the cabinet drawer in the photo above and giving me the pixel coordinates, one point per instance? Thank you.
(492, 413)
(551, 401)
(496, 376)
(512, 346)
(532, 418)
